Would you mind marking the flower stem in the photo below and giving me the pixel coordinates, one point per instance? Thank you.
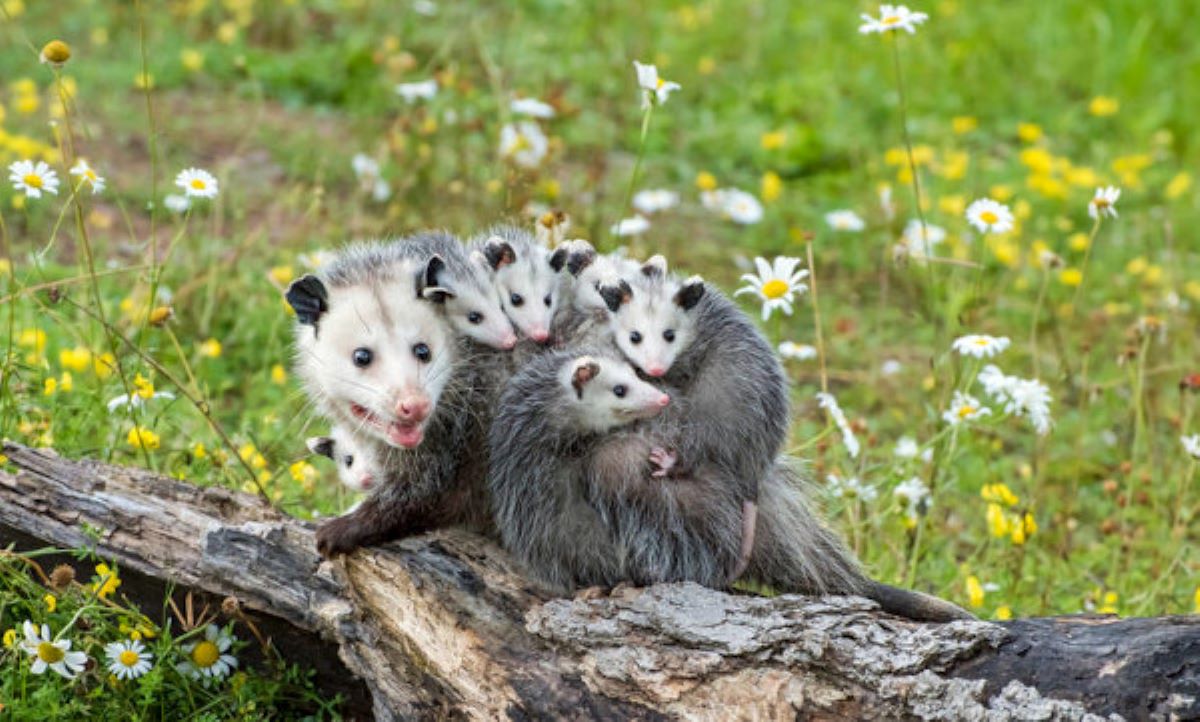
(1033, 327)
(637, 164)
(812, 277)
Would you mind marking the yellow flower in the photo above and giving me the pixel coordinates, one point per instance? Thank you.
(773, 140)
(1023, 528)
(1003, 612)
(1137, 266)
(963, 124)
(1037, 160)
(77, 359)
(998, 524)
(55, 53)
(1153, 275)
(143, 81)
(32, 338)
(3, 459)
(1178, 185)
(302, 471)
(999, 493)
(706, 66)
(1102, 105)
(51, 387)
(10, 638)
(1029, 132)
(954, 165)
(143, 387)
(706, 181)
(954, 205)
(51, 602)
(159, 315)
(1108, 603)
(282, 275)
(772, 187)
(1078, 242)
(974, 592)
(66, 383)
(1192, 289)
(210, 348)
(103, 365)
(142, 438)
(278, 375)
(1070, 277)
(1001, 193)
(250, 454)
(1195, 602)
(192, 59)
(107, 583)
(1083, 177)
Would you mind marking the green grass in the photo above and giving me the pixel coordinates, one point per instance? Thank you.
(286, 97)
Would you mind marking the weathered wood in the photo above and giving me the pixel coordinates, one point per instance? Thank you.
(444, 625)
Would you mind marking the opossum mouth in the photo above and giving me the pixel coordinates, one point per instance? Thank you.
(399, 433)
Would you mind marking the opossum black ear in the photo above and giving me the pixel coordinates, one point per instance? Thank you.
(586, 369)
(498, 253)
(690, 293)
(322, 445)
(581, 256)
(427, 285)
(308, 298)
(558, 259)
(655, 266)
(616, 295)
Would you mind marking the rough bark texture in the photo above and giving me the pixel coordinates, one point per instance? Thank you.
(444, 626)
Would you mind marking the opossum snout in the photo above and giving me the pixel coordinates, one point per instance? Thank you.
(508, 341)
(663, 400)
(539, 334)
(655, 370)
(412, 408)
(366, 482)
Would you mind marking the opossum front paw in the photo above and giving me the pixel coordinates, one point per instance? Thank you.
(663, 460)
(591, 593)
(339, 536)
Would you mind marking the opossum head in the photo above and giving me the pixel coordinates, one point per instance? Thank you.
(373, 355)
(528, 280)
(653, 316)
(593, 271)
(358, 466)
(606, 393)
(469, 300)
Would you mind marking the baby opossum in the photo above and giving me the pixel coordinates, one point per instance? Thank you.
(358, 467)
(527, 276)
(379, 360)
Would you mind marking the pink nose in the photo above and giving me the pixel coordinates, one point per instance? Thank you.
(663, 400)
(654, 370)
(367, 482)
(509, 341)
(539, 334)
(412, 409)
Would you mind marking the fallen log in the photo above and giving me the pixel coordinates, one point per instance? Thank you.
(443, 626)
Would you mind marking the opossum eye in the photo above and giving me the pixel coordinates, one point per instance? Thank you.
(422, 352)
(546, 300)
(475, 317)
(362, 357)
(669, 335)
(516, 299)
(619, 390)
(349, 460)
(635, 338)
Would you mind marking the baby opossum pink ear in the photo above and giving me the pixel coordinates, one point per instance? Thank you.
(322, 445)
(690, 293)
(579, 256)
(616, 295)
(308, 298)
(498, 253)
(427, 284)
(655, 266)
(586, 369)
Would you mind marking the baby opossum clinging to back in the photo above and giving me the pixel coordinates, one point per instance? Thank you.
(381, 361)
(358, 465)
(527, 276)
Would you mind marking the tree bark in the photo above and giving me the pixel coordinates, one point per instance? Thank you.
(444, 626)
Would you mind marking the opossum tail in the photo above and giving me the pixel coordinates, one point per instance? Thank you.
(795, 552)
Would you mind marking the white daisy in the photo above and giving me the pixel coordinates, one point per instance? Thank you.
(655, 89)
(920, 240)
(532, 107)
(136, 403)
(890, 367)
(964, 408)
(989, 216)
(906, 448)
(742, 208)
(176, 203)
(830, 404)
(916, 497)
(632, 226)
(797, 351)
(365, 167)
(980, 346)
(51, 654)
(197, 183)
(33, 179)
(776, 283)
(88, 175)
(652, 201)
(421, 90)
(428, 8)
(845, 221)
(892, 17)
(1104, 203)
(851, 488)
(207, 659)
(1191, 444)
(885, 202)
(1021, 397)
(523, 143)
(128, 659)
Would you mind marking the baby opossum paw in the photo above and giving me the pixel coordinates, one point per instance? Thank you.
(591, 593)
(663, 460)
(339, 536)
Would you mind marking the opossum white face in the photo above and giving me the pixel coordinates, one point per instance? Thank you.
(596, 272)
(606, 393)
(529, 285)
(652, 319)
(376, 356)
(358, 466)
(469, 300)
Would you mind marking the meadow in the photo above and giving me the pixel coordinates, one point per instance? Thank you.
(143, 322)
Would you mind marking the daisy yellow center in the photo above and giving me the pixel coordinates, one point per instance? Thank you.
(775, 288)
(205, 654)
(1101, 202)
(982, 342)
(965, 411)
(49, 654)
(660, 83)
(128, 658)
(90, 174)
(199, 184)
(989, 217)
(33, 180)
(891, 20)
